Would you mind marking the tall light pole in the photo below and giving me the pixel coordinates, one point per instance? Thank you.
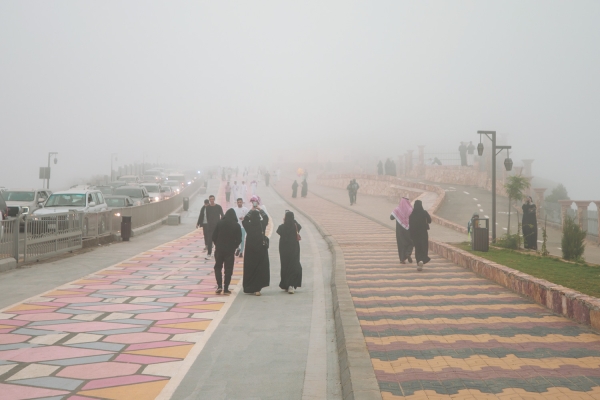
(52, 153)
(507, 164)
(113, 157)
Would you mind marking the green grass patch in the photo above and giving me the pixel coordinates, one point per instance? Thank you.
(582, 277)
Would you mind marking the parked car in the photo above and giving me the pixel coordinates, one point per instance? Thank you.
(129, 178)
(167, 192)
(117, 184)
(118, 201)
(138, 194)
(105, 189)
(174, 185)
(85, 200)
(21, 202)
(154, 190)
(151, 178)
(178, 178)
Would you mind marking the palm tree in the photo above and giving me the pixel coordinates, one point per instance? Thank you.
(514, 186)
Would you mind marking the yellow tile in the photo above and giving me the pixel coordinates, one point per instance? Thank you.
(139, 391)
(173, 351)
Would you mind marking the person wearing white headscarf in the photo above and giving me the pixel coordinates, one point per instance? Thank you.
(405, 245)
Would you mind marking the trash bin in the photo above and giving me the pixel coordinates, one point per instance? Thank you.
(125, 228)
(186, 203)
(480, 235)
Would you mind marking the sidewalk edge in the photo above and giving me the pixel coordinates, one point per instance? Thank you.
(357, 375)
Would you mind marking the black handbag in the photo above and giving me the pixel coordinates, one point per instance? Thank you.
(265, 238)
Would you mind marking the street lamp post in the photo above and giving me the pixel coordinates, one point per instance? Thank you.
(52, 153)
(113, 157)
(507, 163)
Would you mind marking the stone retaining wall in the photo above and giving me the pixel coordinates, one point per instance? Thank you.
(568, 302)
(457, 175)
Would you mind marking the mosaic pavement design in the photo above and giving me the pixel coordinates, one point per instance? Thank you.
(446, 333)
(120, 333)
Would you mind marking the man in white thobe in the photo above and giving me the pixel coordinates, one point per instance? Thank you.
(234, 191)
(243, 191)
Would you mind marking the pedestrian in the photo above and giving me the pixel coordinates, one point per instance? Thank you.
(267, 178)
(418, 225)
(227, 192)
(257, 273)
(352, 191)
(470, 154)
(304, 191)
(234, 190)
(210, 215)
(243, 190)
(380, 168)
(295, 189)
(462, 150)
(471, 225)
(240, 212)
(227, 236)
(530, 229)
(253, 186)
(289, 253)
(402, 215)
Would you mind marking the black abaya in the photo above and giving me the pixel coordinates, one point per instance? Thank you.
(405, 244)
(295, 189)
(529, 226)
(418, 225)
(304, 188)
(257, 274)
(289, 253)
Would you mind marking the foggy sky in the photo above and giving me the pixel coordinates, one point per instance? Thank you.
(238, 83)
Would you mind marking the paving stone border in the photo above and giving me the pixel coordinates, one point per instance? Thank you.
(357, 375)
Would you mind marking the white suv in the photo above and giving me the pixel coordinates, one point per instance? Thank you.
(24, 201)
(83, 200)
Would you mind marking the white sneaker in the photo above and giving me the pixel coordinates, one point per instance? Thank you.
(291, 290)
(208, 257)
(420, 266)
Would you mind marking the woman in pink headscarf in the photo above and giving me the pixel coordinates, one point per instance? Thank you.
(405, 245)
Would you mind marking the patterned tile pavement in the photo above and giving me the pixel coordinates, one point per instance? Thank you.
(446, 333)
(121, 333)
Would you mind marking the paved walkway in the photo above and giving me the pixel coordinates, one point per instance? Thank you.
(446, 333)
(150, 326)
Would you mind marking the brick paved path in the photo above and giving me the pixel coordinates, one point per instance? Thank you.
(446, 333)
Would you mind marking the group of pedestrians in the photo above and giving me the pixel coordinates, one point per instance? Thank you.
(467, 154)
(303, 192)
(236, 190)
(242, 232)
(412, 224)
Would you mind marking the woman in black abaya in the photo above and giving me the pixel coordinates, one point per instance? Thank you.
(529, 224)
(304, 191)
(256, 255)
(289, 253)
(295, 189)
(419, 221)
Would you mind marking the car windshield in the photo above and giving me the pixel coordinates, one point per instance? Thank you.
(115, 202)
(66, 200)
(129, 191)
(152, 188)
(128, 178)
(10, 195)
(173, 183)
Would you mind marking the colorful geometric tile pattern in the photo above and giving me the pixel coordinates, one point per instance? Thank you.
(446, 333)
(120, 333)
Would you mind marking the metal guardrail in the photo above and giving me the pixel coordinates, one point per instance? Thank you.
(43, 236)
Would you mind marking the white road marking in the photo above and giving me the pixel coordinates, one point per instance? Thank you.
(478, 205)
(466, 192)
(450, 187)
(481, 210)
(539, 241)
(475, 198)
(505, 229)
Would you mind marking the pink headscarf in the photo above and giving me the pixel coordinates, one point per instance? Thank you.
(255, 198)
(402, 212)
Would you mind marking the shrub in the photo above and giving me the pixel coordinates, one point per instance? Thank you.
(544, 252)
(509, 241)
(573, 240)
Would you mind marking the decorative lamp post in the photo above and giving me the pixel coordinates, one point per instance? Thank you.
(113, 157)
(52, 153)
(507, 164)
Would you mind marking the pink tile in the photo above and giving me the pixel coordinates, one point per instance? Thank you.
(81, 398)
(37, 354)
(109, 287)
(11, 338)
(99, 370)
(179, 320)
(117, 307)
(181, 300)
(134, 358)
(171, 331)
(18, 392)
(80, 327)
(81, 299)
(50, 303)
(7, 330)
(48, 310)
(119, 381)
(43, 317)
(12, 322)
(138, 293)
(167, 315)
(141, 337)
(155, 345)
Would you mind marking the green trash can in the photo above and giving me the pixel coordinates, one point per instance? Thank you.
(480, 235)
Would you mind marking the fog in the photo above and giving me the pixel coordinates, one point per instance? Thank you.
(245, 83)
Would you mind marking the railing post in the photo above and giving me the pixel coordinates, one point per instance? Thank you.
(15, 238)
(25, 232)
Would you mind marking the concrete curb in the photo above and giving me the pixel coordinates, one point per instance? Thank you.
(6, 264)
(357, 375)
